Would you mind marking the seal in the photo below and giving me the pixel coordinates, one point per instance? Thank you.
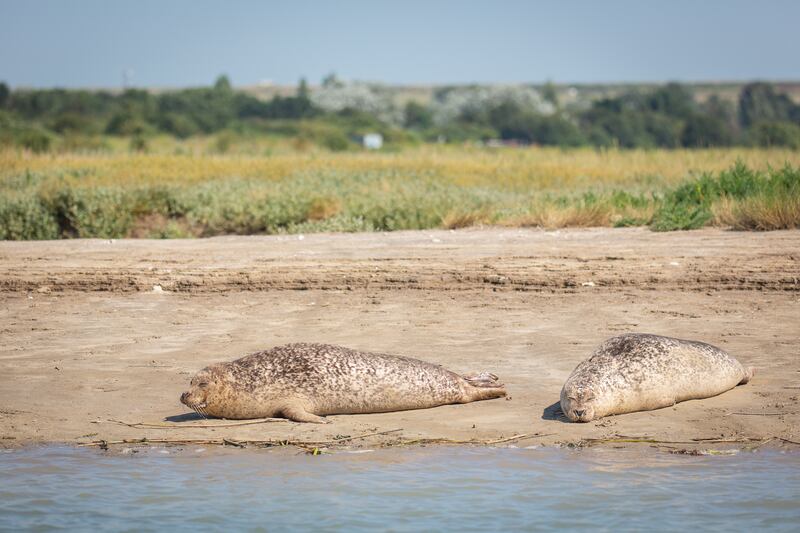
(641, 372)
(304, 382)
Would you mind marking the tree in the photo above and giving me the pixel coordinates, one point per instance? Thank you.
(5, 94)
(672, 99)
(549, 93)
(776, 134)
(71, 122)
(758, 102)
(178, 124)
(558, 131)
(210, 109)
(539, 129)
(719, 108)
(663, 130)
(502, 117)
(418, 116)
(126, 123)
(609, 124)
(331, 80)
(302, 90)
(705, 131)
(303, 105)
(223, 84)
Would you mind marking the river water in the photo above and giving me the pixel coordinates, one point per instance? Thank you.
(428, 488)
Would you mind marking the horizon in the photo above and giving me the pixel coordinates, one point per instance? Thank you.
(313, 85)
(95, 44)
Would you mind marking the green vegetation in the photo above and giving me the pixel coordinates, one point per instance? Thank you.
(335, 115)
(739, 197)
(214, 160)
(60, 203)
(730, 197)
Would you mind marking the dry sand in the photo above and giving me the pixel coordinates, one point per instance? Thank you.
(85, 338)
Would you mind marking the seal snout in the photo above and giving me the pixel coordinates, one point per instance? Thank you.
(192, 402)
(578, 404)
(580, 415)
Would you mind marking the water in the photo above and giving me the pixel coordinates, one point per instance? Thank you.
(435, 488)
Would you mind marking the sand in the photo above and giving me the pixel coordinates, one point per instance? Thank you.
(99, 330)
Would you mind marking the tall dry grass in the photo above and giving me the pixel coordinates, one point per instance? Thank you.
(552, 169)
(760, 213)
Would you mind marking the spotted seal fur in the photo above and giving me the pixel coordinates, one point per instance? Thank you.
(304, 382)
(641, 372)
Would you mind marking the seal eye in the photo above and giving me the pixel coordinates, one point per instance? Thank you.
(203, 384)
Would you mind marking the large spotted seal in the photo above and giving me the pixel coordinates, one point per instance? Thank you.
(640, 372)
(303, 382)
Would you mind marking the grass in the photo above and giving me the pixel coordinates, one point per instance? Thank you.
(195, 194)
(540, 168)
(739, 197)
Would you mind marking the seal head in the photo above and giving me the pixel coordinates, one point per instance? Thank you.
(207, 386)
(578, 404)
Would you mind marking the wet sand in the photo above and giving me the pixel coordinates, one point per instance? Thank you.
(86, 338)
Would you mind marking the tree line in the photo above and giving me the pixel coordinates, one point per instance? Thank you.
(668, 116)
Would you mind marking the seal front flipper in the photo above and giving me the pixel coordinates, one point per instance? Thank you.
(297, 413)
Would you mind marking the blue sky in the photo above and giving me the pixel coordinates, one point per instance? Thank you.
(90, 43)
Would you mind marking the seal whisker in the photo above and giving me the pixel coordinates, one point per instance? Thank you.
(197, 409)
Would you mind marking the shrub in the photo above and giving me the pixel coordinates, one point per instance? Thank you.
(776, 134)
(163, 200)
(336, 141)
(34, 139)
(755, 196)
(680, 216)
(24, 217)
(138, 143)
(181, 126)
(223, 142)
(105, 212)
(77, 142)
(127, 123)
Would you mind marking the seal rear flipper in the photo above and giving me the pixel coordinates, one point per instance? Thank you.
(297, 413)
(486, 393)
(749, 372)
(483, 386)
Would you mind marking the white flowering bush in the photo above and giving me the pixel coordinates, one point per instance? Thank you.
(453, 103)
(336, 95)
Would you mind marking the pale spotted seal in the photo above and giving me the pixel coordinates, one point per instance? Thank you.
(640, 372)
(303, 382)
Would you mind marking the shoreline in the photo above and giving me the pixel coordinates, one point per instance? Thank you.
(643, 445)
